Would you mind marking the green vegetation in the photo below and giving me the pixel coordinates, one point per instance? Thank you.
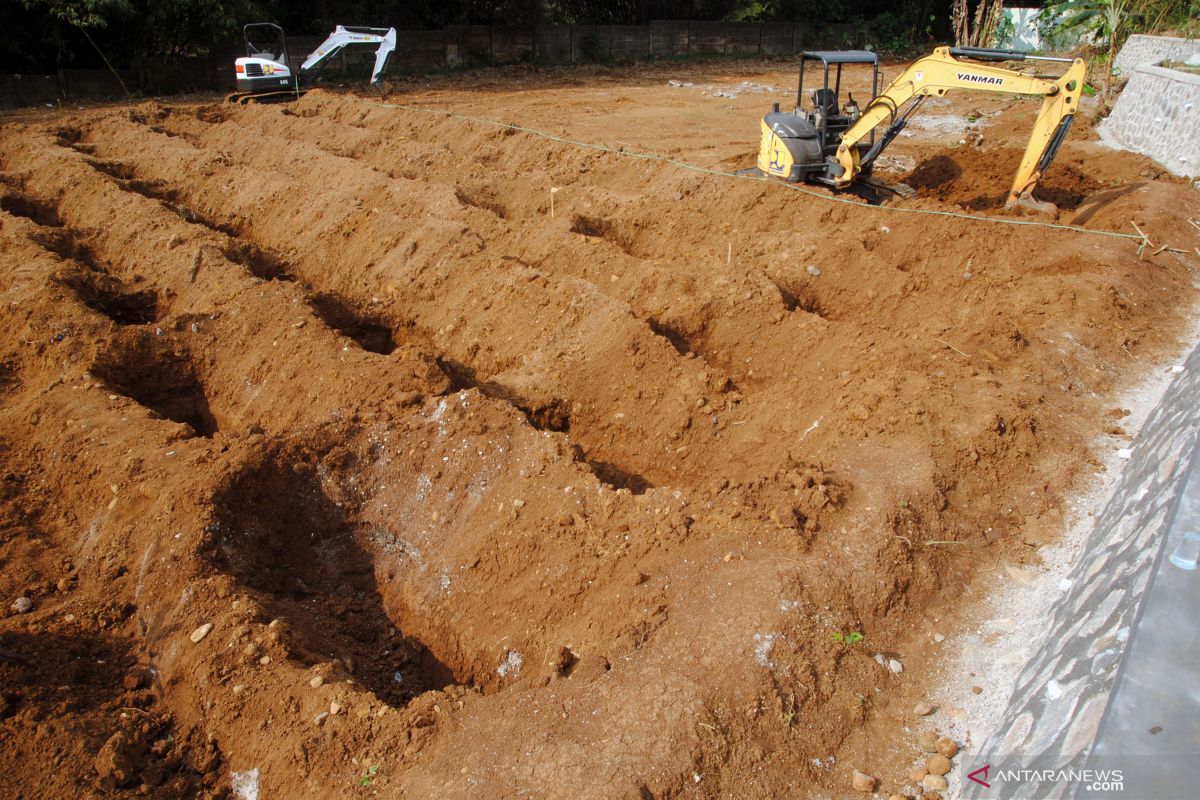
(369, 777)
(852, 638)
(1108, 23)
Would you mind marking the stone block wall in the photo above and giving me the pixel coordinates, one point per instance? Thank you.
(1056, 707)
(1158, 115)
(1141, 49)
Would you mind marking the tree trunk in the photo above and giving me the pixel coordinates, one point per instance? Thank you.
(987, 19)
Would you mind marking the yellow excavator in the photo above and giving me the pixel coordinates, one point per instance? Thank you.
(836, 145)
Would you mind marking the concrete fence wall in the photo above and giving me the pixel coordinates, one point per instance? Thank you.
(460, 46)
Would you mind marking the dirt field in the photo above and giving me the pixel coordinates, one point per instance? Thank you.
(335, 465)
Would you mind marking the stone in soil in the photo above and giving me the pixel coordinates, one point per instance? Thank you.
(199, 634)
(946, 747)
(928, 742)
(922, 709)
(862, 782)
(937, 765)
(916, 773)
(22, 605)
(935, 782)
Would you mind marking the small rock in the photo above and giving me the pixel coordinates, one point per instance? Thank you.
(939, 638)
(946, 747)
(316, 682)
(238, 688)
(976, 690)
(935, 782)
(895, 666)
(922, 709)
(518, 503)
(937, 765)
(930, 796)
(862, 782)
(250, 650)
(916, 773)
(813, 270)
(23, 605)
(335, 708)
(928, 742)
(265, 660)
(199, 634)
(319, 719)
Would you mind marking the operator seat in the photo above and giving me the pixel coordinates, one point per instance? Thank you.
(825, 100)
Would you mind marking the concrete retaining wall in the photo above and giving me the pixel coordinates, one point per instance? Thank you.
(1141, 49)
(1061, 695)
(1158, 115)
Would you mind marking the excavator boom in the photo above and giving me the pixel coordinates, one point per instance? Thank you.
(342, 37)
(941, 72)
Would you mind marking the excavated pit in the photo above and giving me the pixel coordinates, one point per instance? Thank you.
(279, 531)
(20, 204)
(113, 299)
(370, 331)
(149, 370)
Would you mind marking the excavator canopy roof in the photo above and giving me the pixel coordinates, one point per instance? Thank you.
(843, 56)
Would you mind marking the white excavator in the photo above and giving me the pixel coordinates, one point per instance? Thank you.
(265, 72)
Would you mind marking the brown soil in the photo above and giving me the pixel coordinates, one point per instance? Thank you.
(563, 506)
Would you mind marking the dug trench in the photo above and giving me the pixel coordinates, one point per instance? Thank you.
(457, 315)
(804, 441)
(303, 558)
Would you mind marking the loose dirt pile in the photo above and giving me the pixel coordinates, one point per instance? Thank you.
(480, 501)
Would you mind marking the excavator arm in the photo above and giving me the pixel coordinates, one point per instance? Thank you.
(343, 37)
(940, 72)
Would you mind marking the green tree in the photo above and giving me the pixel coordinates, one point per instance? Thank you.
(87, 15)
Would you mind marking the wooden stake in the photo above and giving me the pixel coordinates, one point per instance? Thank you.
(1145, 239)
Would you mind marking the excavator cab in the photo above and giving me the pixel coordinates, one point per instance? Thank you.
(800, 144)
(266, 66)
